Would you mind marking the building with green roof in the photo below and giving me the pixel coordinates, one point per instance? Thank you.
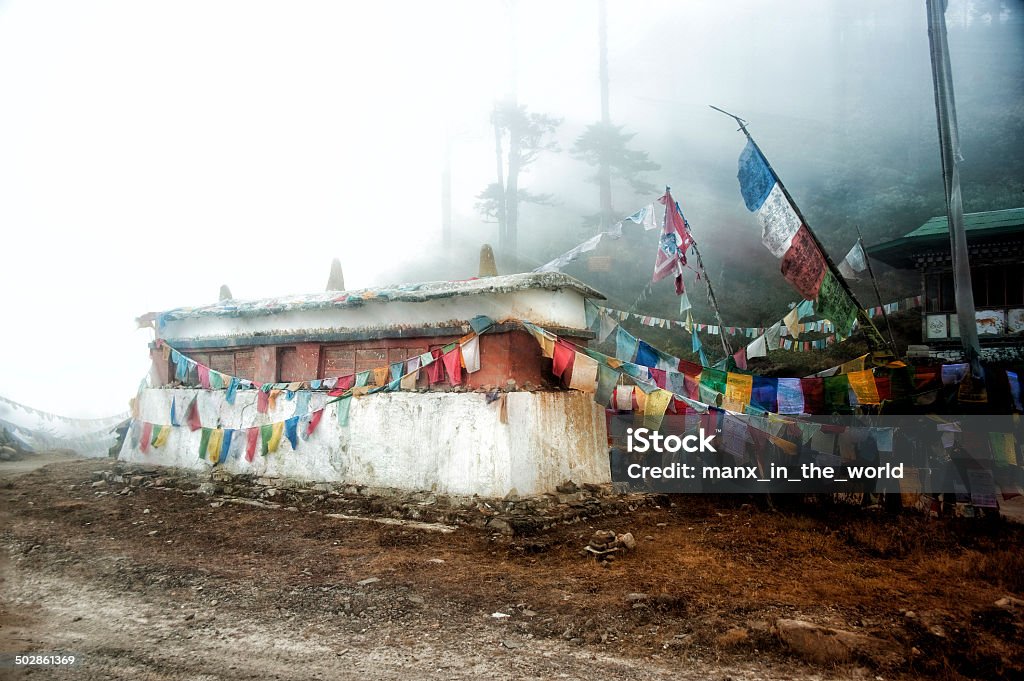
(995, 240)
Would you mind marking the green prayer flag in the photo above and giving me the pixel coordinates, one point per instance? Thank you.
(266, 433)
(836, 305)
(837, 392)
(204, 440)
(344, 404)
(606, 380)
(362, 378)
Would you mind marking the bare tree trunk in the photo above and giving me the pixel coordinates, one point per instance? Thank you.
(446, 193)
(512, 189)
(604, 171)
(499, 158)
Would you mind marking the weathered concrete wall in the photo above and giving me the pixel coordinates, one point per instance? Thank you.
(451, 443)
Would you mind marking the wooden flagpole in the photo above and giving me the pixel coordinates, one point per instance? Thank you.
(874, 338)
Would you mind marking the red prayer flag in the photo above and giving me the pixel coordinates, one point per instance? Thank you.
(147, 433)
(192, 416)
(204, 376)
(803, 266)
(674, 242)
(435, 370)
(252, 436)
(690, 368)
(314, 421)
(452, 361)
(564, 356)
(814, 395)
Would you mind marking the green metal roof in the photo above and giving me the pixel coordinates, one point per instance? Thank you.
(993, 219)
(935, 233)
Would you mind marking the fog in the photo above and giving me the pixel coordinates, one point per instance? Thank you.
(151, 152)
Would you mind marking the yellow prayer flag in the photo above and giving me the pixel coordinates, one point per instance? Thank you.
(863, 384)
(409, 380)
(641, 400)
(213, 446)
(380, 376)
(654, 408)
(737, 391)
(161, 435)
(275, 436)
(792, 322)
(853, 365)
(272, 399)
(785, 445)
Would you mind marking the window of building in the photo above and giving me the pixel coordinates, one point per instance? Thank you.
(289, 368)
(993, 286)
(240, 363)
(344, 360)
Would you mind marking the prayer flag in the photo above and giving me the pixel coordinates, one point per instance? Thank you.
(737, 391)
(626, 345)
(291, 429)
(606, 380)
(790, 396)
(584, 373)
(251, 436)
(674, 242)
(314, 421)
(453, 365)
(160, 435)
(654, 408)
(763, 196)
(563, 358)
(146, 437)
(855, 262)
(803, 265)
(225, 446)
(471, 354)
(624, 398)
(204, 442)
(863, 384)
(192, 415)
(344, 405)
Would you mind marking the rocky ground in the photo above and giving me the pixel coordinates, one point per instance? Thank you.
(150, 575)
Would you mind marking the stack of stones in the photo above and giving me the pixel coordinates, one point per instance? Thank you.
(605, 544)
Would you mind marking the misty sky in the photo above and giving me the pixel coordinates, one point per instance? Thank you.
(151, 152)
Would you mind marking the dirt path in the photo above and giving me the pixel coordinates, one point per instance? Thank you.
(12, 469)
(151, 583)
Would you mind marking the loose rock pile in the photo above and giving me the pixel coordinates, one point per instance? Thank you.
(605, 544)
(510, 516)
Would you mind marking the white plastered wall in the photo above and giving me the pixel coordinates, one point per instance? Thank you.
(450, 443)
